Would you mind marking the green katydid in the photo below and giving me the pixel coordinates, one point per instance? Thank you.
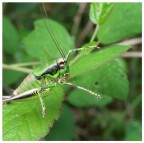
(45, 78)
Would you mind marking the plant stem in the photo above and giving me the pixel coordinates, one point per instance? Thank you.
(94, 34)
(25, 64)
(135, 54)
(77, 18)
(82, 36)
(133, 41)
(9, 67)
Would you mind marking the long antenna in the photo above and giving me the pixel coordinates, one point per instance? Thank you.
(52, 34)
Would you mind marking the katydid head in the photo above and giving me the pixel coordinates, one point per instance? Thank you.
(61, 62)
(64, 67)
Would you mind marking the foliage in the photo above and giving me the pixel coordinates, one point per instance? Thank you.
(64, 128)
(109, 80)
(99, 12)
(123, 22)
(28, 123)
(112, 117)
(45, 42)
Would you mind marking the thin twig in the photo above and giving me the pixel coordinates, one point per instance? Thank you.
(134, 54)
(25, 64)
(9, 67)
(87, 28)
(133, 41)
(77, 18)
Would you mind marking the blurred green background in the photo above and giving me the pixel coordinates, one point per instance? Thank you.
(117, 120)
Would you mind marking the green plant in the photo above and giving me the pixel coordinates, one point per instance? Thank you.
(100, 71)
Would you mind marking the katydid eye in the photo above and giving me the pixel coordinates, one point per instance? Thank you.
(61, 65)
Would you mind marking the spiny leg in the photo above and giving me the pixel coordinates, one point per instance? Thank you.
(79, 87)
(25, 94)
(42, 104)
(81, 49)
(45, 88)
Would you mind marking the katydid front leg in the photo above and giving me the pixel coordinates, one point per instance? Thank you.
(45, 88)
(81, 49)
(42, 104)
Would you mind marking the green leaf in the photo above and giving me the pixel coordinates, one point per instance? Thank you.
(112, 80)
(99, 12)
(133, 131)
(109, 80)
(22, 56)
(64, 128)
(39, 42)
(10, 37)
(94, 60)
(82, 99)
(125, 21)
(22, 119)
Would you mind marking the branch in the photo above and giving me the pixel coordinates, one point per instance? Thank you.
(87, 28)
(25, 64)
(77, 18)
(133, 41)
(9, 67)
(134, 54)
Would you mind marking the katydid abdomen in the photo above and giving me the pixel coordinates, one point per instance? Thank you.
(28, 87)
(30, 82)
